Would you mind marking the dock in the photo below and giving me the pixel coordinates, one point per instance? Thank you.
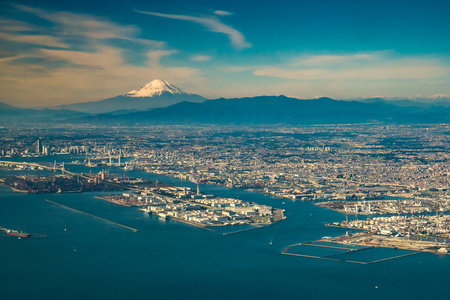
(243, 230)
(91, 215)
(341, 247)
(383, 259)
(188, 223)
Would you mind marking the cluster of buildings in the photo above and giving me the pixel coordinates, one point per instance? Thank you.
(386, 207)
(55, 184)
(185, 205)
(435, 226)
(345, 163)
(38, 148)
(360, 163)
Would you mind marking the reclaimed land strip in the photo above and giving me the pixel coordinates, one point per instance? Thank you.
(106, 198)
(135, 230)
(189, 223)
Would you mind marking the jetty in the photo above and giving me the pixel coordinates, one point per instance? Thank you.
(94, 216)
(343, 250)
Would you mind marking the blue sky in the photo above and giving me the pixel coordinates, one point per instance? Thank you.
(58, 52)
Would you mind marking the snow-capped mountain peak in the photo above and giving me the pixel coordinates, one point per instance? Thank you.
(155, 88)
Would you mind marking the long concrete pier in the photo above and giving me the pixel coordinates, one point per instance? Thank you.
(91, 215)
(310, 256)
(389, 258)
(243, 230)
(332, 247)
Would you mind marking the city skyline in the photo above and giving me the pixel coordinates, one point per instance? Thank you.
(59, 53)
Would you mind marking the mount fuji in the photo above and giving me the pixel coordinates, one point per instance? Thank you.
(155, 94)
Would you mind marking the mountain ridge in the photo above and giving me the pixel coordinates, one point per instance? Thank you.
(156, 93)
(277, 110)
(160, 101)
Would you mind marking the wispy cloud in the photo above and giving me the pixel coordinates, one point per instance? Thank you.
(200, 58)
(6, 58)
(361, 66)
(329, 60)
(211, 23)
(85, 76)
(238, 69)
(341, 76)
(102, 58)
(223, 13)
(11, 25)
(43, 40)
(22, 32)
(72, 25)
(417, 71)
(76, 58)
(156, 55)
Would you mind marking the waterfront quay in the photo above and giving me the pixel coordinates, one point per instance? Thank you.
(386, 207)
(419, 233)
(54, 184)
(67, 181)
(374, 240)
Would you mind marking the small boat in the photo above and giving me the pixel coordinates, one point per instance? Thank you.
(16, 233)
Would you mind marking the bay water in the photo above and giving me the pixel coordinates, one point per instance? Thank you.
(82, 257)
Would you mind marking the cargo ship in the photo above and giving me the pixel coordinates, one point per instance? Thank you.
(16, 233)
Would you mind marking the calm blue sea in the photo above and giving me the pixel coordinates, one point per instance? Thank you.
(87, 258)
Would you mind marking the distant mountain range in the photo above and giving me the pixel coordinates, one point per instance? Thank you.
(157, 93)
(436, 100)
(11, 114)
(278, 109)
(159, 102)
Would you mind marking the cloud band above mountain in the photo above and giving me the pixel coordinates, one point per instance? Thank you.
(211, 23)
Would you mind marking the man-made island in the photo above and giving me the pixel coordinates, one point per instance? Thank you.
(418, 233)
(198, 209)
